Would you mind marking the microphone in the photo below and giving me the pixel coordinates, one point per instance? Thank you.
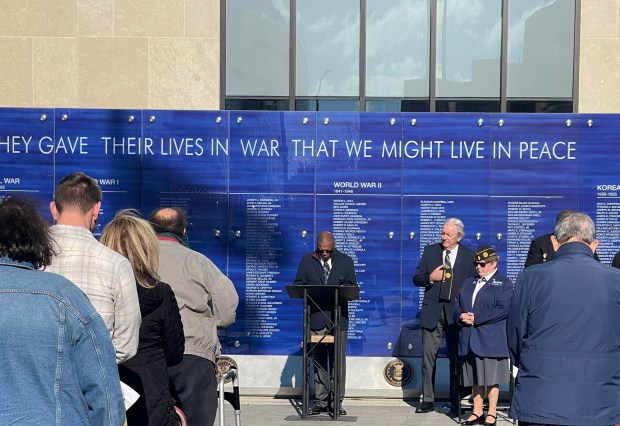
(341, 280)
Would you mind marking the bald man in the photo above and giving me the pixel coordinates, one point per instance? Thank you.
(207, 300)
(327, 266)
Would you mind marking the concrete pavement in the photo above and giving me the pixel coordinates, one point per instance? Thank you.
(262, 411)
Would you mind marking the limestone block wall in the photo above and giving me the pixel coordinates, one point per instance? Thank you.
(599, 74)
(110, 54)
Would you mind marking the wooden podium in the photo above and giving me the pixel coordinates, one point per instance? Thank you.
(310, 295)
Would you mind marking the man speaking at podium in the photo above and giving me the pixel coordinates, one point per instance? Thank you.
(327, 266)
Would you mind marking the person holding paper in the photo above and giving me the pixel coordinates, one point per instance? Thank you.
(57, 357)
(162, 341)
(441, 272)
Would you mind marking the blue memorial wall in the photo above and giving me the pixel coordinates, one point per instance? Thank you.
(259, 186)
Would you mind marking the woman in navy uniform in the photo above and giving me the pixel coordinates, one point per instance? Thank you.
(480, 310)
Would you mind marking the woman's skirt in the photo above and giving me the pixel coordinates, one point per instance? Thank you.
(484, 371)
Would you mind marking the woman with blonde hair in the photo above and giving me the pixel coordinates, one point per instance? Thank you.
(162, 340)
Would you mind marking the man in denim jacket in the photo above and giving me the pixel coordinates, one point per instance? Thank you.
(58, 361)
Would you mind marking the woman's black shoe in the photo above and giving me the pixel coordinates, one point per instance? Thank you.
(494, 420)
(477, 421)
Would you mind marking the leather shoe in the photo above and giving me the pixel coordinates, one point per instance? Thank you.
(486, 422)
(317, 409)
(476, 421)
(425, 407)
(342, 412)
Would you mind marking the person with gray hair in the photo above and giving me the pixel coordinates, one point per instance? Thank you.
(441, 272)
(207, 300)
(562, 334)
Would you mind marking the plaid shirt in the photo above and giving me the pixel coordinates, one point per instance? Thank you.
(107, 279)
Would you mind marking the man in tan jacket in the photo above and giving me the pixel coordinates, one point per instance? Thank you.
(207, 300)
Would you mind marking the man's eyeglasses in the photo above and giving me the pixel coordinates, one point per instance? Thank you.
(481, 264)
(330, 251)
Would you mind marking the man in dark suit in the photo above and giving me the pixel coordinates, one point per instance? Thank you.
(543, 248)
(327, 266)
(441, 272)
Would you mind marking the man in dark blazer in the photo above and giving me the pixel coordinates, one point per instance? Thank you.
(327, 266)
(441, 272)
(542, 249)
(563, 335)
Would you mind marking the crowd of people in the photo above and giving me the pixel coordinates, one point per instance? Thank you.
(79, 317)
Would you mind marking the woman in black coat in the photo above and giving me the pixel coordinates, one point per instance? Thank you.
(162, 340)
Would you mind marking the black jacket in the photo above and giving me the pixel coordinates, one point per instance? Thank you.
(161, 345)
(432, 257)
(541, 250)
(310, 272)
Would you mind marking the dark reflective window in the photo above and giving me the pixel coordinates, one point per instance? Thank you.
(327, 105)
(481, 105)
(540, 106)
(257, 104)
(398, 105)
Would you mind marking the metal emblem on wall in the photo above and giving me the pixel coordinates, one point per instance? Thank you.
(225, 364)
(398, 373)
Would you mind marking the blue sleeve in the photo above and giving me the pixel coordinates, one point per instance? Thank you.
(458, 309)
(95, 360)
(499, 310)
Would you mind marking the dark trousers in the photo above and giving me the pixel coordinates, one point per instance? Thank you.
(194, 387)
(431, 341)
(323, 359)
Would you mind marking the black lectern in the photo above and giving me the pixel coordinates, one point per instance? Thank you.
(311, 294)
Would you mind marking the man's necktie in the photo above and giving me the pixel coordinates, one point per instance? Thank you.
(326, 270)
(446, 263)
(445, 291)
